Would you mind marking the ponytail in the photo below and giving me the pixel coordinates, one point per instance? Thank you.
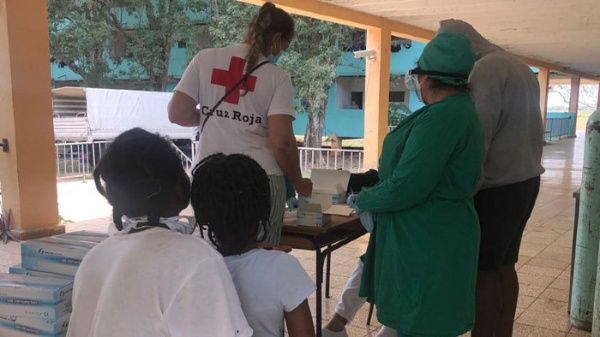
(269, 21)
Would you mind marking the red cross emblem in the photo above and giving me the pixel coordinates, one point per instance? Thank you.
(228, 78)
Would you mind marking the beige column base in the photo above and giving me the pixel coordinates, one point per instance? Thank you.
(35, 233)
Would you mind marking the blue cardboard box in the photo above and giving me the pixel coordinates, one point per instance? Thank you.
(85, 236)
(27, 327)
(35, 297)
(54, 255)
(18, 269)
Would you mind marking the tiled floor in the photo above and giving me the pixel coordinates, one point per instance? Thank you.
(544, 265)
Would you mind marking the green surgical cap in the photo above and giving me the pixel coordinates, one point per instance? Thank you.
(449, 55)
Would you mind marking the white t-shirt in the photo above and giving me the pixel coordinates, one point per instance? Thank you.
(269, 283)
(155, 283)
(239, 124)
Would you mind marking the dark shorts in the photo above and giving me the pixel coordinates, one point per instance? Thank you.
(503, 213)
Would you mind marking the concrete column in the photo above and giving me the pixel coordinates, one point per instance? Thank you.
(28, 169)
(544, 80)
(377, 87)
(574, 101)
(598, 102)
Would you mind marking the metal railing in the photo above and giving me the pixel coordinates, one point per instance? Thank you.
(558, 126)
(351, 160)
(185, 160)
(78, 159)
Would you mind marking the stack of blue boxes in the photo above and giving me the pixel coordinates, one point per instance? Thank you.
(35, 298)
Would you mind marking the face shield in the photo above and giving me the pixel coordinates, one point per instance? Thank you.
(412, 83)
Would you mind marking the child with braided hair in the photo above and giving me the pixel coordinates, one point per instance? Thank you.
(230, 197)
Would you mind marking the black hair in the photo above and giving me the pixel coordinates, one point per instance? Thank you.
(143, 176)
(269, 21)
(439, 85)
(231, 198)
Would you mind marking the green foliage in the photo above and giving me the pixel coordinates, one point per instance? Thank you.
(310, 60)
(83, 34)
(397, 111)
(79, 39)
(229, 22)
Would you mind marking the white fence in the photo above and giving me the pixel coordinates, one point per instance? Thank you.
(351, 160)
(75, 160)
(78, 159)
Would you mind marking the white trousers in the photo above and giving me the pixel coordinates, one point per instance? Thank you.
(351, 302)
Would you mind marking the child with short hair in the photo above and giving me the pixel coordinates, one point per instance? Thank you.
(149, 278)
(231, 197)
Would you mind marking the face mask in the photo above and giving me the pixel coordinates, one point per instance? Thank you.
(412, 83)
(274, 58)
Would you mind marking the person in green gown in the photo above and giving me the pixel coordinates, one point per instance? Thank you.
(421, 262)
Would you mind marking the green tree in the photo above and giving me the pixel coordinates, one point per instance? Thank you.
(310, 60)
(79, 38)
(83, 34)
(397, 111)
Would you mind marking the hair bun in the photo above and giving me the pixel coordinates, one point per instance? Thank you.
(268, 6)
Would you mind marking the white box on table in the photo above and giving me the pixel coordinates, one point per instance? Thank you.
(54, 255)
(27, 327)
(330, 184)
(329, 190)
(35, 297)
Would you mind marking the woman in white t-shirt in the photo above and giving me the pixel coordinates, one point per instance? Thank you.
(230, 195)
(250, 114)
(150, 278)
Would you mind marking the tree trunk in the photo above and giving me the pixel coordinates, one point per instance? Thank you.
(314, 130)
(165, 70)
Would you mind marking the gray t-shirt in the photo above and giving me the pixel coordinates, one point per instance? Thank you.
(507, 97)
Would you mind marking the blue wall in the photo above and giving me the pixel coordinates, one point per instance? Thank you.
(349, 123)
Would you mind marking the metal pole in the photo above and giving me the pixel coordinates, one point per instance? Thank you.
(593, 136)
(588, 230)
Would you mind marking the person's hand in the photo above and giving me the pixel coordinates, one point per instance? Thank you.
(304, 187)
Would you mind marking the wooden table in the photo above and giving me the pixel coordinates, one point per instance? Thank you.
(337, 232)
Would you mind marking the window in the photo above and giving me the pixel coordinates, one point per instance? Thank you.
(350, 92)
(396, 96)
(356, 100)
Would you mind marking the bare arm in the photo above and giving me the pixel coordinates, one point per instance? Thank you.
(283, 143)
(182, 110)
(299, 321)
